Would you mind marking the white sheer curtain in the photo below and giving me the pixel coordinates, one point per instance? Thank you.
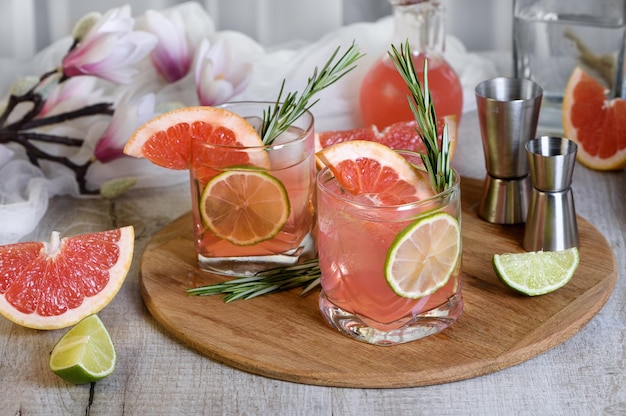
(27, 26)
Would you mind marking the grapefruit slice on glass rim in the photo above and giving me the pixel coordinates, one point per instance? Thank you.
(596, 124)
(166, 140)
(366, 167)
(55, 284)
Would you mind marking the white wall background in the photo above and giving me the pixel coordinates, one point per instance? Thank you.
(27, 26)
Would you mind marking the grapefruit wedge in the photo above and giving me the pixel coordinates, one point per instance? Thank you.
(55, 284)
(401, 135)
(366, 167)
(166, 140)
(595, 123)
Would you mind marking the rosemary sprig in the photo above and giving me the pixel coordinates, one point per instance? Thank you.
(275, 280)
(436, 159)
(277, 118)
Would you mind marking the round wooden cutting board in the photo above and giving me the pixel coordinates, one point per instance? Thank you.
(284, 336)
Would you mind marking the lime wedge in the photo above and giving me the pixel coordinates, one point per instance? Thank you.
(423, 256)
(538, 272)
(245, 207)
(85, 353)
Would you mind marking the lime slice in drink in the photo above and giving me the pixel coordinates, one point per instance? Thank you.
(538, 272)
(423, 256)
(244, 207)
(85, 353)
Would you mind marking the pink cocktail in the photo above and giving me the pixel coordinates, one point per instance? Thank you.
(354, 238)
(289, 163)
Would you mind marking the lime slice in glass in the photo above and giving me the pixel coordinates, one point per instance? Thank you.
(538, 272)
(85, 353)
(423, 256)
(244, 207)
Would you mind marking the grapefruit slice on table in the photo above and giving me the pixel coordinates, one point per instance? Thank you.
(366, 167)
(400, 135)
(595, 123)
(55, 284)
(166, 140)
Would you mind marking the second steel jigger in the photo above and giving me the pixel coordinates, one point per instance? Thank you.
(551, 223)
(508, 111)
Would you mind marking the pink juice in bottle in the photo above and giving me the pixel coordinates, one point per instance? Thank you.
(383, 95)
(383, 92)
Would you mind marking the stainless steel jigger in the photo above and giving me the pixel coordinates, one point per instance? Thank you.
(551, 223)
(508, 111)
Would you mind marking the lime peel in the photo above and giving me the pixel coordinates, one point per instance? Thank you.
(537, 272)
(417, 265)
(85, 354)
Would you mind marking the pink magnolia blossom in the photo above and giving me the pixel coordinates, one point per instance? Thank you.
(109, 48)
(218, 77)
(173, 55)
(128, 116)
(70, 95)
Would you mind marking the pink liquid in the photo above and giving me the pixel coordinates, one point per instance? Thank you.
(294, 167)
(383, 96)
(353, 248)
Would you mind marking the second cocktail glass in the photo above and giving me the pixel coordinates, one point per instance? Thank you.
(277, 180)
(355, 237)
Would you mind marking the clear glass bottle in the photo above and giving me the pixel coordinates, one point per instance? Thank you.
(383, 92)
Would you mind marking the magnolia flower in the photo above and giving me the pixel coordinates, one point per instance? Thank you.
(109, 48)
(218, 78)
(172, 56)
(70, 95)
(128, 116)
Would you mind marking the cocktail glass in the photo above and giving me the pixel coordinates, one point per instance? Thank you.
(354, 238)
(289, 162)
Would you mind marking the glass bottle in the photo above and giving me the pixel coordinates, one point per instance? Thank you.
(383, 93)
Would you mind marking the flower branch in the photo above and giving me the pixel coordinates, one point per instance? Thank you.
(108, 47)
(35, 154)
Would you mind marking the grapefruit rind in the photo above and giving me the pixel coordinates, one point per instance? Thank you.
(90, 305)
(246, 135)
(571, 131)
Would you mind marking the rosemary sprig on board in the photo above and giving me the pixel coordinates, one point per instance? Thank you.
(436, 159)
(277, 118)
(278, 279)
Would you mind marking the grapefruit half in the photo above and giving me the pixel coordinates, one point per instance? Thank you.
(401, 135)
(595, 123)
(55, 284)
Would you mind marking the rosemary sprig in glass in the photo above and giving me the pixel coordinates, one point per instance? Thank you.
(277, 118)
(278, 279)
(436, 159)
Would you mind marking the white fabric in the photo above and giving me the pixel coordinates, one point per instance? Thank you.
(25, 189)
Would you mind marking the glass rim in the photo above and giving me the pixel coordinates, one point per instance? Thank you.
(515, 89)
(406, 206)
(309, 130)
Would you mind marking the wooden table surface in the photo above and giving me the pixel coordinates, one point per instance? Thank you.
(157, 374)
